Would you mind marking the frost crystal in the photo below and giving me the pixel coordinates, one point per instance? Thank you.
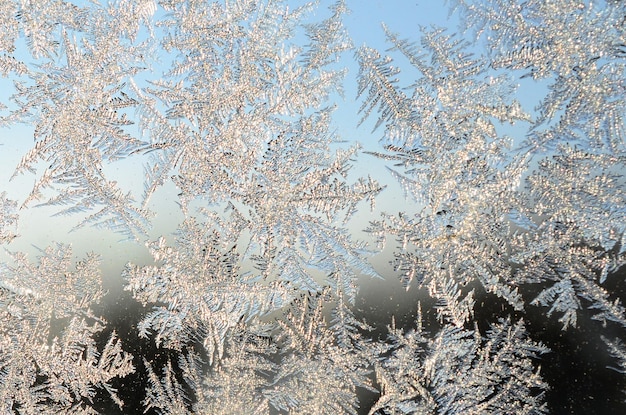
(458, 170)
(49, 358)
(513, 217)
(457, 371)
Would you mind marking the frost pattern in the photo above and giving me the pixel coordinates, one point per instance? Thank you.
(75, 94)
(49, 358)
(231, 103)
(458, 169)
(205, 293)
(304, 369)
(537, 220)
(577, 140)
(457, 371)
(8, 219)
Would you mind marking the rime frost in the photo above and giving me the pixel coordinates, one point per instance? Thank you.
(458, 372)
(49, 358)
(253, 298)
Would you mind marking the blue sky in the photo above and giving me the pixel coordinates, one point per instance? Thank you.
(364, 24)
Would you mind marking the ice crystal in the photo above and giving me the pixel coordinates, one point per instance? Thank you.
(49, 358)
(510, 212)
(296, 366)
(204, 291)
(75, 96)
(8, 219)
(457, 371)
(538, 220)
(457, 167)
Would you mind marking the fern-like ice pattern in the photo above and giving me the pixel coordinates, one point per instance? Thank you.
(513, 216)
